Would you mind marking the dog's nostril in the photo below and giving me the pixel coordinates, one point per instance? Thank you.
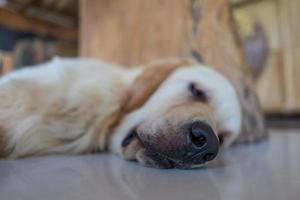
(198, 140)
(198, 134)
(203, 143)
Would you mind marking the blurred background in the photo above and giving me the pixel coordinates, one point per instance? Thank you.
(34, 31)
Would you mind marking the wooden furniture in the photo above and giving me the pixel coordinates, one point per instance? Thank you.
(132, 32)
(18, 21)
(279, 85)
(32, 32)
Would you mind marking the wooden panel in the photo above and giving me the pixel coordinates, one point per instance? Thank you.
(136, 31)
(270, 85)
(295, 34)
(131, 31)
(290, 30)
(279, 86)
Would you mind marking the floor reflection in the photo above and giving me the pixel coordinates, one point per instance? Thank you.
(268, 170)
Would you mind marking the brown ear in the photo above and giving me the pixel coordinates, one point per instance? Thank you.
(3, 143)
(253, 123)
(150, 79)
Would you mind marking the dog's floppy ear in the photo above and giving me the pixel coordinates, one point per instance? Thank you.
(253, 123)
(150, 79)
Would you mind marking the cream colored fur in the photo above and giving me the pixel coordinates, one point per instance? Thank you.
(64, 106)
(69, 105)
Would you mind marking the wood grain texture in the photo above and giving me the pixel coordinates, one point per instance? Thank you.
(270, 85)
(290, 36)
(279, 87)
(133, 32)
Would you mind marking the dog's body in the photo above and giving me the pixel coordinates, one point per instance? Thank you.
(74, 106)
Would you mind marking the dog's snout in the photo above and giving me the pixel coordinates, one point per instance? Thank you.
(194, 144)
(203, 142)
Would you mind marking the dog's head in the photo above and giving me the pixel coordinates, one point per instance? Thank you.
(182, 113)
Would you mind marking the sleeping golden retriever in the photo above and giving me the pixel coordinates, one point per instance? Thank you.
(170, 113)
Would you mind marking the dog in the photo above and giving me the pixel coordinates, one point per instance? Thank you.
(172, 113)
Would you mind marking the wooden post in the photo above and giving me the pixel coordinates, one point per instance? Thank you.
(132, 32)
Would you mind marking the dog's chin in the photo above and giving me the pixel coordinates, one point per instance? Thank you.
(154, 159)
(134, 149)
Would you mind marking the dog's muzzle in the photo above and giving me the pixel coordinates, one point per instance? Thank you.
(193, 145)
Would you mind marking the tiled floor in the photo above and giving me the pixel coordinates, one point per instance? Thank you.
(269, 170)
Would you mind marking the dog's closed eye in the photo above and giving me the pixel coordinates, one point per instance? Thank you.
(198, 94)
(129, 137)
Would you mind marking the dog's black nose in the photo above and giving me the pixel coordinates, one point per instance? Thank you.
(203, 142)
